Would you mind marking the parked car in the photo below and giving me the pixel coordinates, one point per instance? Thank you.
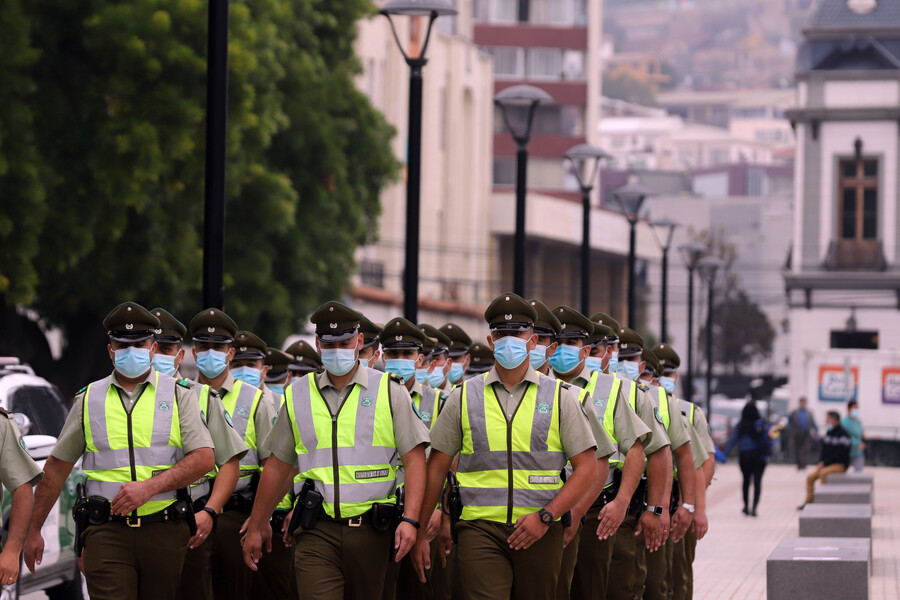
(40, 410)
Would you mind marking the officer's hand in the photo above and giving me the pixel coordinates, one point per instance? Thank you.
(651, 526)
(34, 549)
(251, 545)
(570, 532)
(680, 523)
(434, 525)
(611, 517)
(529, 529)
(445, 540)
(700, 524)
(131, 496)
(286, 536)
(665, 521)
(9, 567)
(204, 527)
(421, 557)
(404, 538)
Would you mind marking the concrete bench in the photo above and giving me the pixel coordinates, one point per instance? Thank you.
(849, 493)
(836, 520)
(848, 478)
(813, 567)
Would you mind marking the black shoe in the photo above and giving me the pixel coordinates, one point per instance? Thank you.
(753, 512)
(802, 506)
(745, 511)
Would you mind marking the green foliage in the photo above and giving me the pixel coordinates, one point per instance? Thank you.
(102, 130)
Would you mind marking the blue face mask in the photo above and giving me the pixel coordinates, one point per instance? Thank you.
(364, 361)
(829, 427)
(422, 376)
(594, 363)
(164, 363)
(613, 365)
(538, 356)
(565, 359)
(277, 388)
(854, 413)
(339, 361)
(630, 369)
(404, 368)
(510, 351)
(132, 362)
(211, 363)
(436, 377)
(668, 384)
(456, 372)
(248, 375)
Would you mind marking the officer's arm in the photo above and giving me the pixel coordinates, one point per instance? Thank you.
(659, 475)
(435, 474)
(19, 517)
(596, 488)
(192, 467)
(224, 484)
(583, 477)
(709, 469)
(631, 471)
(45, 494)
(273, 485)
(414, 465)
(687, 473)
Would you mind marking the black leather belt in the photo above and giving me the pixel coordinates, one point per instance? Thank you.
(358, 521)
(164, 516)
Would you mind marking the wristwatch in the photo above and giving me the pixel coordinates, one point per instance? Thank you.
(656, 510)
(546, 516)
(214, 515)
(689, 507)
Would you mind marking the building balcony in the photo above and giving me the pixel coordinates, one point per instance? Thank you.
(855, 255)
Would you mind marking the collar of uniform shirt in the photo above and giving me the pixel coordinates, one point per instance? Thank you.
(583, 378)
(531, 376)
(227, 385)
(361, 377)
(416, 389)
(138, 389)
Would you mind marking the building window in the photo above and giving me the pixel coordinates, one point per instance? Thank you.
(551, 12)
(508, 61)
(496, 11)
(573, 65)
(371, 272)
(544, 63)
(858, 211)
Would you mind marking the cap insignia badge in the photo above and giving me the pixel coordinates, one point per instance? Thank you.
(210, 329)
(508, 317)
(333, 325)
(157, 331)
(243, 348)
(129, 325)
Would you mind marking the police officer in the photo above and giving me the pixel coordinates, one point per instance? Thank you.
(687, 458)
(214, 334)
(610, 358)
(277, 374)
(512, 495)
(370, 355)
(605, 397)
(343, 431)
(481, 360)
(17, 473)
(651, 527)
(142, 438)
(547, 328)
(681, 577)
(458, 352)
(249, 365)
(209, 493)
(439, 361)
(306, 359)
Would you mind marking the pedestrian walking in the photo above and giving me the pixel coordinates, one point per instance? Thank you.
(803, 429)
(751, 436)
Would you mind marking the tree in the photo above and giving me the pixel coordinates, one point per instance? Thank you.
(116, 95)
(741, 332)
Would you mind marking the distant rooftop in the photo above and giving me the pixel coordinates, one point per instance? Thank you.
(735, 98)
(856, 14)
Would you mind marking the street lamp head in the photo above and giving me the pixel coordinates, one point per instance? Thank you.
(522, 95)
(630, 197)
(418, 8)
(708, 267)
(581, 156)
(663, 230)
(692, 252)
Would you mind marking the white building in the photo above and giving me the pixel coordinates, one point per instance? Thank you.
(843, 281)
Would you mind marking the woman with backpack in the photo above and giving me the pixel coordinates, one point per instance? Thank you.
(751, 435)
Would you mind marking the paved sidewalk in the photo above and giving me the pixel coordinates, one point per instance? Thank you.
(731, 559)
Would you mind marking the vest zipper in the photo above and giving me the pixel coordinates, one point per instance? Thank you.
(334, 454)
(509, 465)
(131, 446)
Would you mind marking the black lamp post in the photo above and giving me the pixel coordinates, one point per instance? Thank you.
(524, 98)
(708, 267)
(630, 198)
(581, 156)
(414, 8)
(214, 184)
(663, 230)
(691, 253)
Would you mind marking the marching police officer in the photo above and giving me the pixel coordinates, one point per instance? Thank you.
(511, 492)
(214, 334)
(458, 352)
(306, 359)
(343, 431)
(142, 438)
(169, 338)
(547, 328)
(17, 473)
(370, 355)
(439, 361)
(277, 375)
(481, 360)
(610, 359)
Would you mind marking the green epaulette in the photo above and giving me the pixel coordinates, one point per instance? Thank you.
(642, 386)
(82, 390)
(186, 383)
(395, 377)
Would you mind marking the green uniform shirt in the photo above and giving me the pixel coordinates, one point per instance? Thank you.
(270, 398)
(194, 435)
(227, 443)
(646, 411)
(263, 418)
(575, 430)
(16, 466)
(409, 430)
(698, 452)
(627, 426)
(678, 435)
(700, 426)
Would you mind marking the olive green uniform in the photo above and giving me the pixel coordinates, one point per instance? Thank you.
(198, 585)
(334, 560)
(590, 566)
(122, 562)
(683, 552)
(488, 567)
(630, 571)
(16, 466)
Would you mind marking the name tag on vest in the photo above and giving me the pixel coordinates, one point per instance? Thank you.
(373, 474)
(545, 479)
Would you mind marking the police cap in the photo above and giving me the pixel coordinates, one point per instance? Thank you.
(401, 334)
(130, 322)
(575, 326)
(441, 340)
(369, 330)
(171, 330)
(651, 363)
(248, 346)
(278, 362)
(459, 339)
(213, 326)
(546, 324)
(306, 359)
(605, 319)
(631, 344)
(668, 358)
(510, 312)
(335, 322)
(482, 358)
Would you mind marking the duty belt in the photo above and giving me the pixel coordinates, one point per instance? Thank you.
(170, 513)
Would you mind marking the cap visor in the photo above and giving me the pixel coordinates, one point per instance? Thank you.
(458, 352)
(213, 338)
(336, 336)
(168, 339)
(131, 336)
(402, 346)
(511, 326)
(572, 335)
(249, 355)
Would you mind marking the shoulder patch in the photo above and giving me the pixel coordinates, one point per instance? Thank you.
(416, 410)
(565, 385)
(642, 386)
(186, 383)
(396, 378)
(82, 390)
(657, 416)
(228, 419)
(4, 412)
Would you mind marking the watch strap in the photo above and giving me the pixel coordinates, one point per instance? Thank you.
(412, 522)
(213, 514)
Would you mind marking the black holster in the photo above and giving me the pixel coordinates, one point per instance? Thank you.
(306, 511)
(385, 516)
(639, 499)
(277, 521)
(80, 516)
(184, 508)
(675, 498)
(454, 503)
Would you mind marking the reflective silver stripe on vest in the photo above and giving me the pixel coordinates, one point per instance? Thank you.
(96, 402)
(362, 453)
(201, 488)
(120, 458)
(241, 420)
(482, 458)
(109, 489)
(426, 402)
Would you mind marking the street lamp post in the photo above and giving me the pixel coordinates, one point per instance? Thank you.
(214, 184)
(708, 267)
(414, 8)
(630, 198)
(520, 98)
(691, 253)
(581, 156)
(664, 240)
